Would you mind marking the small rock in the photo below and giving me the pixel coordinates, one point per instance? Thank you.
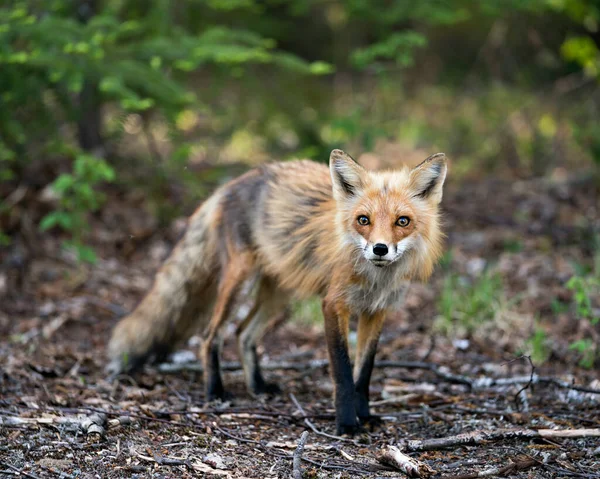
(214, 460)
(475, 266)
(182, 357)
(461, 344)
(51, 463)
(47, 309)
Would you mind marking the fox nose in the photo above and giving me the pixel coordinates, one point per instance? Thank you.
(380, 249)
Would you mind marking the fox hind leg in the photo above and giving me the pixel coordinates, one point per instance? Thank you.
(235, 273)
(268, 312)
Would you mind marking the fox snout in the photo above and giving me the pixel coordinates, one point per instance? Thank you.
(380, 253)
(380, 249)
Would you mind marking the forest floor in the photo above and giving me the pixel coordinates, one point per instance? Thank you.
(437, 376)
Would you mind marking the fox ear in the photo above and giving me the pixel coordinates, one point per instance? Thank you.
(347, 175)
(427, 178)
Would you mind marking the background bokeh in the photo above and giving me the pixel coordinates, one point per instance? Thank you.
(117, 117)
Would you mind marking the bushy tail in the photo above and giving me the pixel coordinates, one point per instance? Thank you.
(180, 299)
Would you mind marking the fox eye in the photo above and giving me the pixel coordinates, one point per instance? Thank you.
(403, 221)
(363, 220)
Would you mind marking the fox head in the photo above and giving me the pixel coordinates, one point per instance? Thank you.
(390, 219)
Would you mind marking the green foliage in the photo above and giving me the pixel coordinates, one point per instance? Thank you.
(4, 239)
(583, 51)
(464, 305)
(355, 126)
(79, 196)
(539, 346)
(559, 307)
(585, 287)
(398, 47)
(587, 349)
(512, 245)
(582, 288)
(138, 57)
(61, 70)
(245, 67)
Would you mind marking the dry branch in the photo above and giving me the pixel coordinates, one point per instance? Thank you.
(481, 437)
(93, 425)
(19, 472)
(314, 428)
(236, 366)
(392, 456)
(297, 462)
(519, 465)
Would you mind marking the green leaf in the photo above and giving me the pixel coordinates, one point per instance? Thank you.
(398, 47)
(4, 239)
(86, 254)
(321, 68)
(57, 218)
(137, 104)
(75, 82)
(63, 183)
(581, 345)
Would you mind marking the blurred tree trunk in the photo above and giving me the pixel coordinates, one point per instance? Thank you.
(89, 123)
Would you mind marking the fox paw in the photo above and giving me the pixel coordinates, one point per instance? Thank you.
(268, 389)
(370, 422)
(349, 429)
(223, 397)
(215, 391)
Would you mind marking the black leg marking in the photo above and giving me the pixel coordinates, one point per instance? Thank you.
(214, 383)
(258, 385)
(361, 395)
(341, 372)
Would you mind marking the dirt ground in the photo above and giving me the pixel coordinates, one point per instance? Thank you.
(61, 417)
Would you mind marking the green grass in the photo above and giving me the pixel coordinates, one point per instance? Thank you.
(307, 312)
(585, 286)
(538, 346)
(464, 305)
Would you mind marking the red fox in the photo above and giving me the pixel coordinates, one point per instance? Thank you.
(352, 236)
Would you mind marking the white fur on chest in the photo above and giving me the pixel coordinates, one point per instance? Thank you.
(382, 290)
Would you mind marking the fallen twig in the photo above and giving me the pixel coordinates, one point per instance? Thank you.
(297, 461)
(236, 366)
(168, 461)
(519, 465)
(312, 426)
(285, 455)
(338, 467)
(392, 456)
(93, 425)
(19, 472)
(124, 417)
(480, 437)
(60, 474)
(521, 395)
(163, 460)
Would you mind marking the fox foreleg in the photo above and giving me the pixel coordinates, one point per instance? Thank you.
(369, 330)
(337, 317)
